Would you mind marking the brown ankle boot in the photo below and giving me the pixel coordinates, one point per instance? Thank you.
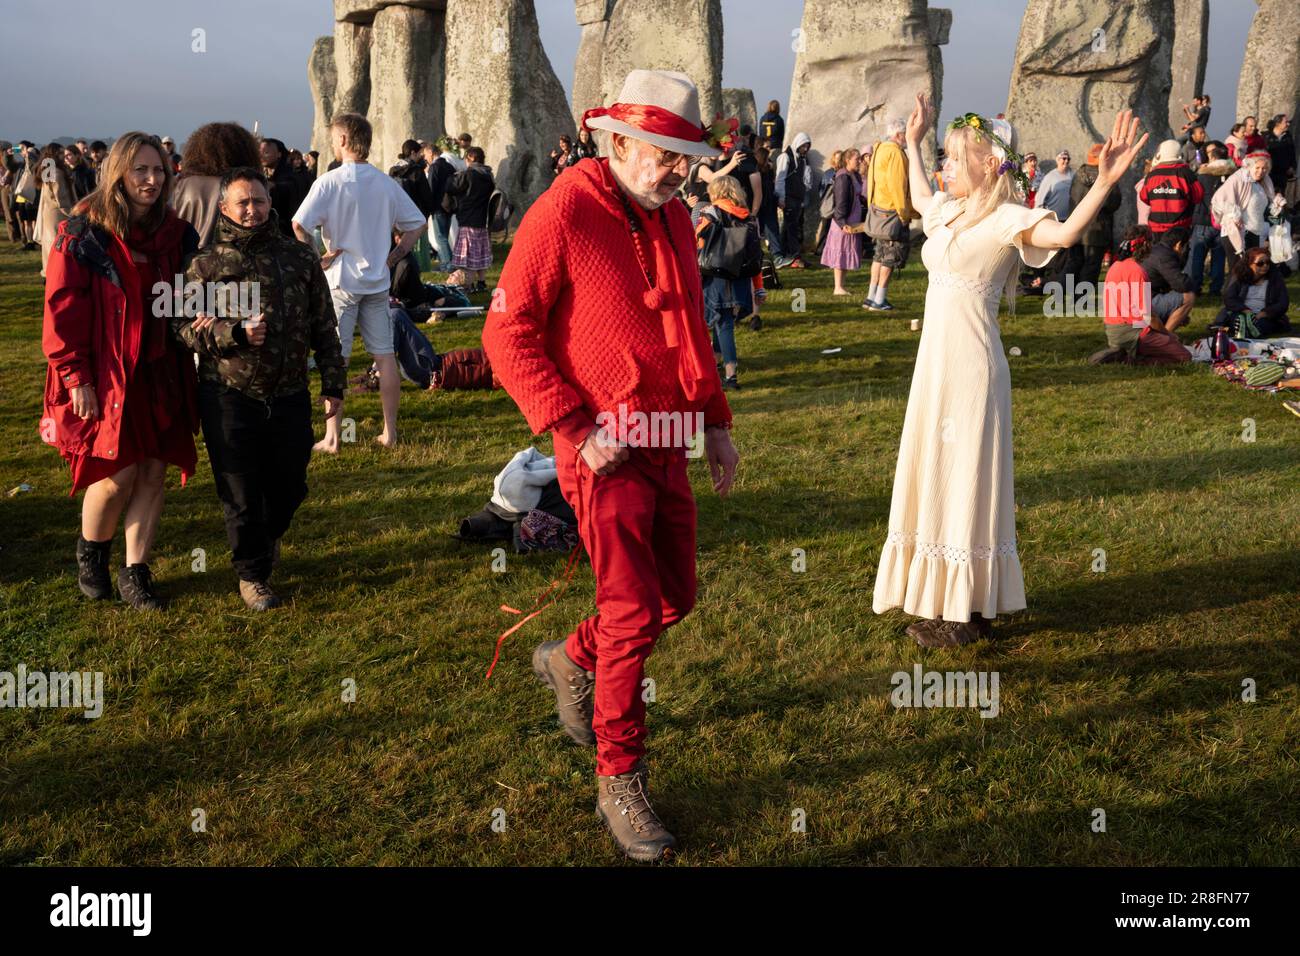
(574, 688)
(922, 630)
(950, 634)
(623, 804)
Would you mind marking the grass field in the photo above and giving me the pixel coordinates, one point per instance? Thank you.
(1119, 690)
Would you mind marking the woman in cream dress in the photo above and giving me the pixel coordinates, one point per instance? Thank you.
(950, 556)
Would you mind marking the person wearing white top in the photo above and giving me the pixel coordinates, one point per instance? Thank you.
(357, 209)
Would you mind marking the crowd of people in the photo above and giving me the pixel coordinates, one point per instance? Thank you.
(605, 274)
(126, 390)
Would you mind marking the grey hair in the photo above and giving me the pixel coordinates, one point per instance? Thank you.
(895, 126)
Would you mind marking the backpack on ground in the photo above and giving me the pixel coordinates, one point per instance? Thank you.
(416, 359)
(732, 249)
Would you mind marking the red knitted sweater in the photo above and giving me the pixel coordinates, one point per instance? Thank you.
(569, 333)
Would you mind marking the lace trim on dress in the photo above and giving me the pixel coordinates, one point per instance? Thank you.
(950, 552)
(954, 280)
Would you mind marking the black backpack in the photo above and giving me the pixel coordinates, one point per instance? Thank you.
(732, 249)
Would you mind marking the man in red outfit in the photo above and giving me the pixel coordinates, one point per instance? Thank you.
(596, 328)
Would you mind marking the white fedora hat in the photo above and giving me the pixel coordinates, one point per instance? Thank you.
(660, 107)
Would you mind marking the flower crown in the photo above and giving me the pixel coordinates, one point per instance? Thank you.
(721, 133)
(1011, 160)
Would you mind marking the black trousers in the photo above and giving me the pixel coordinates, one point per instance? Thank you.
(1090, 267)
(792, 229)
(259, 453)
(1231, 255)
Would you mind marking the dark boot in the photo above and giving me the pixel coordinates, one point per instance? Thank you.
(135, 584)
(952, 634)
(1108, 355)
(573, 688)
(258, 596)
(625, 807)
(92, 568)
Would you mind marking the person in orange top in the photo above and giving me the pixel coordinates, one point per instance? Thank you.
(726, 300)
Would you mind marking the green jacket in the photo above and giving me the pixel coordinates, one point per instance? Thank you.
(295, 303)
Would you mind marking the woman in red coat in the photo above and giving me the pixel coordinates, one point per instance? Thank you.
(119, 396)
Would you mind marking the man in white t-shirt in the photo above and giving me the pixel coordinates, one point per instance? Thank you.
(358, 208)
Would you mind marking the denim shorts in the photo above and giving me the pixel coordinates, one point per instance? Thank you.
(372, 311)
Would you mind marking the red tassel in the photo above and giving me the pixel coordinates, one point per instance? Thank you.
(656, 299)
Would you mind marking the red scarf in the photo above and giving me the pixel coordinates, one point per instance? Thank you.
(677, 300)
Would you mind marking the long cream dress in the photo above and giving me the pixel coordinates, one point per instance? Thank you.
(951, 548)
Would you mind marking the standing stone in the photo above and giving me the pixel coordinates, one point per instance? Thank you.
(1270, 72)
(740, 104)
(859, 65)
(1077, 64)
(406, 79)
(1187, 67)
(501, 89)
(352, 67)
(588, 88)
(322, 78)
(682, 35)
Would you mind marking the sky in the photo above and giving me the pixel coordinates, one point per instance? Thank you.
(133, 63)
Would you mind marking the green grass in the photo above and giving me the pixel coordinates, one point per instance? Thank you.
(1119, 690)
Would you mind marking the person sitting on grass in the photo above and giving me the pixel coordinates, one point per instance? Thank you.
(1255, 297)
(1134, 335)
(725, 298)
(419, 298)
(1172, 292)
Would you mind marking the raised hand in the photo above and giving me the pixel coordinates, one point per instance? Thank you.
(1121, 148)
(918, 124)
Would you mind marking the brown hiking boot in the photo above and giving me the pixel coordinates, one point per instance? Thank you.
(955, 633)
(573, 688)
(258, 595)
(921, 629)
(624, 806)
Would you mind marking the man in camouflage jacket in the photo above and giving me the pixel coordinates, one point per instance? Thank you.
(253, 398)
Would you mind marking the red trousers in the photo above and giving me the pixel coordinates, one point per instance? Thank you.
(638, 526)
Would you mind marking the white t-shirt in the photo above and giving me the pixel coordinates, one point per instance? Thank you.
(1252, 218)
(357, 208)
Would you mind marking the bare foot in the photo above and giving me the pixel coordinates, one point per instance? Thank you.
(385, 440)
(326, 445)
(840, 292)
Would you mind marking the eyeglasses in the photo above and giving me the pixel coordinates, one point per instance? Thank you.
(668, 158)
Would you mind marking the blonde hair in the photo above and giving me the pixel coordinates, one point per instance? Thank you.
(728, 188)
(967, 148)
(837, 159)
(847, 155)
(358, 131)
(108, 206)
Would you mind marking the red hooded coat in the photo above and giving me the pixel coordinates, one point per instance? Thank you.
(95, 317)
